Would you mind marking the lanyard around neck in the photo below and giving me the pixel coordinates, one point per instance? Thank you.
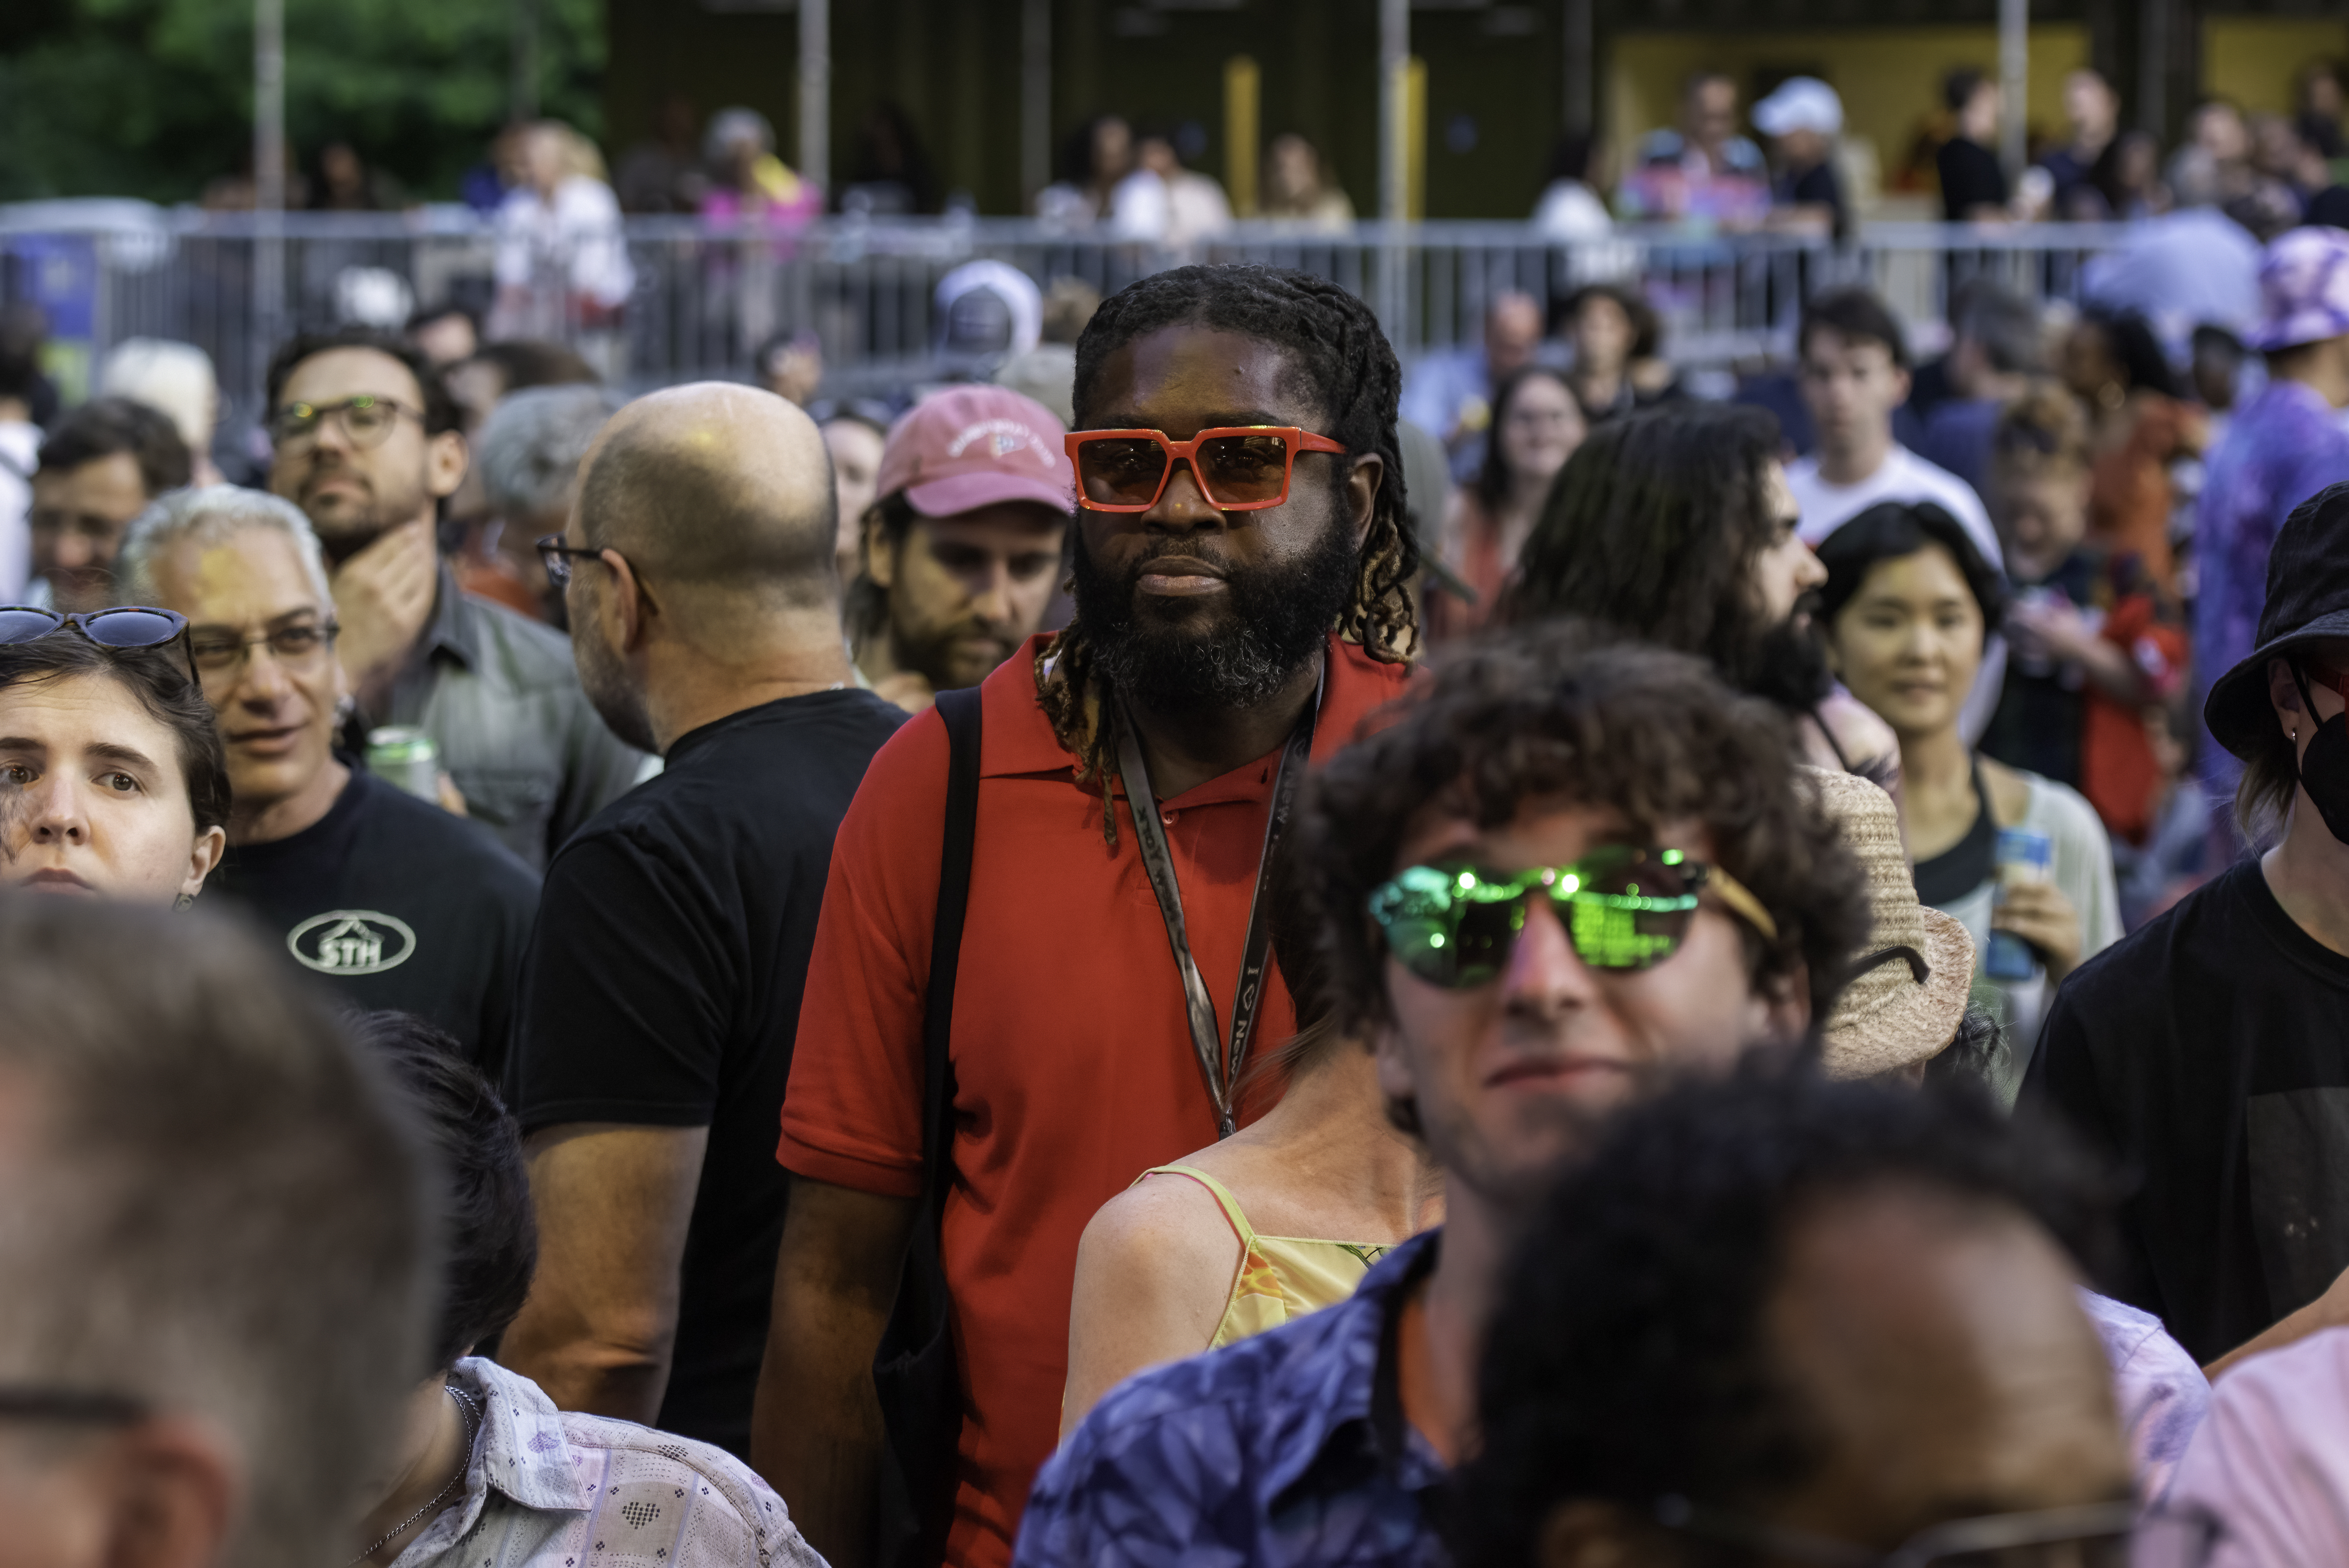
(1219, 1061)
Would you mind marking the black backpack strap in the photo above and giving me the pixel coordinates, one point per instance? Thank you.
(914, 1373)
(960, 712)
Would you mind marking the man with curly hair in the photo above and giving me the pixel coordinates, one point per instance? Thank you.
(1561, 879)
(1241, 576)
(1777, 1320)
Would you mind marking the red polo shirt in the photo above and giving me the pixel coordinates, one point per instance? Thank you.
(1073, 1066)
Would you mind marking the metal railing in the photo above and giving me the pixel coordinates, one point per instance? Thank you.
(671, 298)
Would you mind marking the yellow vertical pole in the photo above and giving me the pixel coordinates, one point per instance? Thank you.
(1243, 89)
(1414, 139)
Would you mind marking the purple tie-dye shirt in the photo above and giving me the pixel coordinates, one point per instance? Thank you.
(2282, 447)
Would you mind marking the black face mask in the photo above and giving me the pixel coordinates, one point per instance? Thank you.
(2324, 766)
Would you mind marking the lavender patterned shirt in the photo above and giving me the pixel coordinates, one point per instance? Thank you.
(1286, 1449)
(2281, 448)
(2162, 1394)
(555, 1488)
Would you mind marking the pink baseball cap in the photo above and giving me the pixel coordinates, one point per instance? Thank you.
(970, 447)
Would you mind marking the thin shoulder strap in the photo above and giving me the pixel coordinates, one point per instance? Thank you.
(960, 712)
(1216, 1189)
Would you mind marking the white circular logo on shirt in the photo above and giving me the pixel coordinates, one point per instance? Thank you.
(352, 942)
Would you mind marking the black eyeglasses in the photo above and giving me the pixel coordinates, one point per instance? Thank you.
(557, 557)
(75, 1407)
(297, 647)
(2092, 1535)
(366, 419)
(122, 628)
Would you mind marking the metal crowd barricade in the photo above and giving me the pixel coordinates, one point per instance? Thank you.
(699, 299)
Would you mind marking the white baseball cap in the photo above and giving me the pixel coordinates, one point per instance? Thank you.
(1801, 103)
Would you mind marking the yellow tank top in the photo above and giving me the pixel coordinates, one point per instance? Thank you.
(1279, 1277)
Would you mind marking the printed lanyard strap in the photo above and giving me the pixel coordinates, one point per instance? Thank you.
(1219, 1064)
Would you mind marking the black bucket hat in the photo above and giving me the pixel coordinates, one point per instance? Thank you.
(2308, 600)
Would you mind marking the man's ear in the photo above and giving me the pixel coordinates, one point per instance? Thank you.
(1784, 1004)
(1587, 1534)
(445, 462)
(176, 1490)
(1363, 481)
(2284, 694)
(627, 609)
(879, 556)
(1901, 383)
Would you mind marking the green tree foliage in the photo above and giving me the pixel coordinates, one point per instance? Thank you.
(154, 98)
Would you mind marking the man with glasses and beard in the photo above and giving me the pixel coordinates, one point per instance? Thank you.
(1241, 580)
(1560, 880)
(368, 444)
(961, 551)
(1676, 527)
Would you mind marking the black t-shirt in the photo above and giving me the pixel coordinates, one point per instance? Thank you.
(1815, 186)
(663, 989)
(2210, 1052)
(398, 905)
(1971, 178)
(2043, 708)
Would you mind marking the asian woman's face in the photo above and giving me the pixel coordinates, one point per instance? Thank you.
(1909, 643)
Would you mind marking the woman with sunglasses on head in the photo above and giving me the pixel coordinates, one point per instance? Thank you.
(111, 781)
(1908, 605)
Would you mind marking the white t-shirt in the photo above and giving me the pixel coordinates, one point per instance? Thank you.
(20, 453)
(1903, 476)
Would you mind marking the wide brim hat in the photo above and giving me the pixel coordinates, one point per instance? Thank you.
(1886, 1018)
(2307, 601)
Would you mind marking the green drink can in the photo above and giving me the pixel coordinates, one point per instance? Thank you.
(406, 757)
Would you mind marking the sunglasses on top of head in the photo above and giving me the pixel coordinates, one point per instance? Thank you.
(123, 628)
(1239, 468)
(1624, 908)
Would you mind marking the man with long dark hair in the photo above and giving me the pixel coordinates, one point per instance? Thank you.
(1242, 570)
(1676, 527)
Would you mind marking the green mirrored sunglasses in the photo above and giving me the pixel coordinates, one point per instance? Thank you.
(1624, 908)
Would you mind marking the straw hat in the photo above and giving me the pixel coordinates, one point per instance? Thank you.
(1886, 1019)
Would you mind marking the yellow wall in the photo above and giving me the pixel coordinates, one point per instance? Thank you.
(2254, 60)
(1889, 77)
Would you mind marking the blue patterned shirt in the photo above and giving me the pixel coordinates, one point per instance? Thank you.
(1287, 1448)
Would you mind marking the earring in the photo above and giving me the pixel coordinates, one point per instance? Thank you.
(185, 901)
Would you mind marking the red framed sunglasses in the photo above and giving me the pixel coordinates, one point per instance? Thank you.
(1239, 468)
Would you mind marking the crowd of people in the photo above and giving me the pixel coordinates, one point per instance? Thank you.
(1189, 944)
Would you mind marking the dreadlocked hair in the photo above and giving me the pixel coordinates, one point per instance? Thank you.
(1335, 348)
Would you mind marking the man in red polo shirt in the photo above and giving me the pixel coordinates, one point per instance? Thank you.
(1241, 602)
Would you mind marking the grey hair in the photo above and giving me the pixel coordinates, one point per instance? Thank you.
(217, 1208)
(209, 516)
(530, 447)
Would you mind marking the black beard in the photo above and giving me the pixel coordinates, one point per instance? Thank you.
(1275, 624)
(1789, 665)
